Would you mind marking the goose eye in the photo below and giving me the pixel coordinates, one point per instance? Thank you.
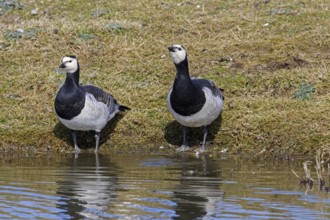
(180, 48)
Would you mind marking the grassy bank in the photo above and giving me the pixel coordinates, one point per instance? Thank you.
(271, 57)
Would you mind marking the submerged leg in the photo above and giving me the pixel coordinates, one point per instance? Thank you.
(97, 162)
(184, 146)
(74, 136)
(97, 139)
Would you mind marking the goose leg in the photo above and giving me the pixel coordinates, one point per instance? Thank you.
(184, 146)
(74, 136)
(204, 138)
(202, 148)
(97, 139)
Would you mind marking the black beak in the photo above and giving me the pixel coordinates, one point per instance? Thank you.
(171, 49)
(62, 66)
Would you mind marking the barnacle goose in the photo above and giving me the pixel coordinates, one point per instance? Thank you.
(192, 102)
(83, 108)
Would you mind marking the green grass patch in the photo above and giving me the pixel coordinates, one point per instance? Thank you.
(271, 58)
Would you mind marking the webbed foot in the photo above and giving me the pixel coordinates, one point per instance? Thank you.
(183, 148)
(76, 150)
(200, 150)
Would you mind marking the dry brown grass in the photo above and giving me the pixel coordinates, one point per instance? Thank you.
(260, 53)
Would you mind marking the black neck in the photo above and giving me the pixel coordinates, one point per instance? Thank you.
(182, 75)
(182, 78)
(72, 79)
(182, 69)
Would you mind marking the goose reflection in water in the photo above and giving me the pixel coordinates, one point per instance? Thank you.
(199, 194)
(88, 187)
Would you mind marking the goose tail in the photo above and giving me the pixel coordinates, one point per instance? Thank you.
(123, 108)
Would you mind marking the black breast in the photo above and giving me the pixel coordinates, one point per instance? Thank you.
(186, 101)
(69, 104)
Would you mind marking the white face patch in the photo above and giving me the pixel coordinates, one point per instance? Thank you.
(70, 64)
(177, 53)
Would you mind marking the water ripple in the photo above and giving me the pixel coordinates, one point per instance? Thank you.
(93, 187)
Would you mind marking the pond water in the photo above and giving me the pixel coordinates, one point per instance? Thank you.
(154, 187)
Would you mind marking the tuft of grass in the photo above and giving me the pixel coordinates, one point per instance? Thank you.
(20, 33)
(260, 52)
(304, 92)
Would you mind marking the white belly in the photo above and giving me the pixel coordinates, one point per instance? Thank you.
(210, 111)
(94, 116)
